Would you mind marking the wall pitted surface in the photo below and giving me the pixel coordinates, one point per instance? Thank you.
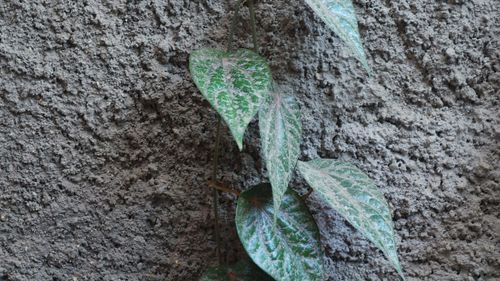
(105, 141)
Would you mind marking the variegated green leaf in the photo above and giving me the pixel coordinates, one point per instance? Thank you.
(287, 250)
(240, 271)
(235, 84)
(355, 196)
(340, 16)
(280, 132)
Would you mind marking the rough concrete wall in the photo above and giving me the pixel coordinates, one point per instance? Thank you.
(104, 140)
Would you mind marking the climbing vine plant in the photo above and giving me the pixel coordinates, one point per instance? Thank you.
(273, 223)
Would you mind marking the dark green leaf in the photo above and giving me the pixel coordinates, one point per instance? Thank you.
(235, 84)
(287, 250)
(280, 132)
(355, 196)
(340, 16)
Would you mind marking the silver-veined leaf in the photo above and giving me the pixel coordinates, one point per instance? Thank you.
(354, 195)
(240, 271)
(287, 250)
(340, 16)
(235, 84)
(280, 132)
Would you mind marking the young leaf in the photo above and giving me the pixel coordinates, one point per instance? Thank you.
(339, 16)
(241, 271)
(235, 84)
(354, 195)
(280, 132)
(287, 250)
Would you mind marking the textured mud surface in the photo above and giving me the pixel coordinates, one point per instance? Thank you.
(104, 140)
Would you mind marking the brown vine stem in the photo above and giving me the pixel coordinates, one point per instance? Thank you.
(254, 27)
(222, 187)
(234, 21)
(215, 161)
(215, 194)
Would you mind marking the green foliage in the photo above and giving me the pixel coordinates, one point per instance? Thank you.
(273, 223)
(240, 271)
(339, 16)
(235, 84)
(280, 132)
(287, 250)
(354, 195)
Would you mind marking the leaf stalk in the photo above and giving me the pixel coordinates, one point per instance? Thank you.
(215, 194)
(254, 28)
(232, 28)
(216, 152)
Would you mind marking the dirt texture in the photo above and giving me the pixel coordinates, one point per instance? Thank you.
(105, 141)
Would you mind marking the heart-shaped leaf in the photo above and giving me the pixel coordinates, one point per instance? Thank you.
(287, 250)
(355, 196)
(240, 271)
(340, 16)
(235, 84)
(280, 132)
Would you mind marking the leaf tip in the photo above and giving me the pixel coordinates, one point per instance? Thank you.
(368, 69)
(401, 274)
(239, 143)
(399, 269)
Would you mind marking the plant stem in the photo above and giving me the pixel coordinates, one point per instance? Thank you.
(233, 25)
(215, 161)
(215, 194)
(222, 187)
(254, 28)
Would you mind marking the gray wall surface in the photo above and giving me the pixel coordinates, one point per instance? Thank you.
(105, 141)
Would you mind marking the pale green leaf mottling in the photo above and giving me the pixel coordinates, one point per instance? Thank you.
(280, 132)
(340, 16)
(288, 250)
(354, 195)
(235, 84)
